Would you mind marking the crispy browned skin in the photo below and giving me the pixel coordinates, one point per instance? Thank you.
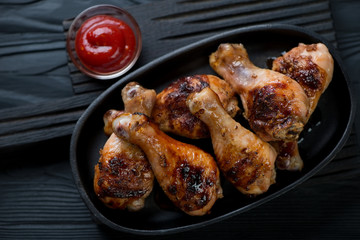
(172, 114)
(245, 160)
(123, 176)
(312, 67)
(274, 104)
(187, 175)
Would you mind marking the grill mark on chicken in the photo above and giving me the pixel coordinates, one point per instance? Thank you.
(196, 184)
(120, 177)
(245, 160)
(268, 106)
(244, 168)
(123, 177)
(309, 65)
(191, 185)
(252, 83)
(188, 175)
(175, 102)
(308, 75)
(271, 110)
(162, 161)
(312, 67)
(172, 114)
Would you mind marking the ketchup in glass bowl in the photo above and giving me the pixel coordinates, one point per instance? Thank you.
(104, 42)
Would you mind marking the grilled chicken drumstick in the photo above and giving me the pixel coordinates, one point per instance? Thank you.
(246, 161)
(275, 105)
(123, 176)
(170, 110)
(187, 175)
(136, 99)
(312, 67)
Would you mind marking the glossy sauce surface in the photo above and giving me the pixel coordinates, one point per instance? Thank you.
(105, 44)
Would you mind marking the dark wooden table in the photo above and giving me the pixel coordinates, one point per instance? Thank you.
(42, 96)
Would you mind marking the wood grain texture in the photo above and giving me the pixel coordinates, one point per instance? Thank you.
(39, 199)
(40, 122)
(174, 24)
(168, 26)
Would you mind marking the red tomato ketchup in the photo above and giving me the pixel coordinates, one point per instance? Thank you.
(105, 44)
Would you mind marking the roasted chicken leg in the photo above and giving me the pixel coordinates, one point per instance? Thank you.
(275, 106)
(170, 110)
(312, 67)
(187, 175)
(136, 99)
(246, 161)
(123, 176)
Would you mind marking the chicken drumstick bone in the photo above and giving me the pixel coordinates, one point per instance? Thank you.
(245, 160)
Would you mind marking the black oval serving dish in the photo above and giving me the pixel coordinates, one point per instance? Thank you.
(324, 137)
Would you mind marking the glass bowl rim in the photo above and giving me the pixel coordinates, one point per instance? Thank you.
(91, 12)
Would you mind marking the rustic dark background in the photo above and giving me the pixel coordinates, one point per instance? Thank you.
(41, 97)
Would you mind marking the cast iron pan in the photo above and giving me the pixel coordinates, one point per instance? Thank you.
(324, 136)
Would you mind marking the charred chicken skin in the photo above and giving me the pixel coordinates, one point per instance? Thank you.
(312, 67)
(245, 160)
(188, 175)
(123, 176)
(275, 106)
(170, 110)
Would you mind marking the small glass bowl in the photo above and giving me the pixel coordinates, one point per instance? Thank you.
(109, 10)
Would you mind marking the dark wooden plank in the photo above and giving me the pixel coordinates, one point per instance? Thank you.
(224, 18)
(55, 106)
(346, 163)
(170, 25)
(34, 136)
(177, 30)
(40, 122)
(185, 22)
(41, 202)
(39, 199)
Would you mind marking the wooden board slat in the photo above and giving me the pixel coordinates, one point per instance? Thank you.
(169, 25)
(39, 199)
(174, 24)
